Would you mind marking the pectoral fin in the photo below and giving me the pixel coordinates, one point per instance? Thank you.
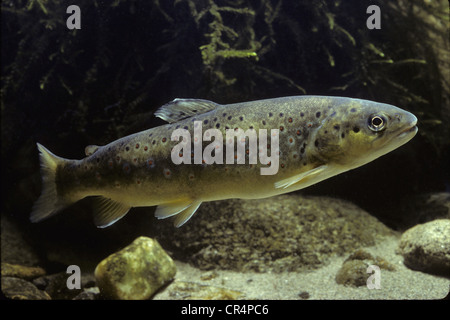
(300, 178)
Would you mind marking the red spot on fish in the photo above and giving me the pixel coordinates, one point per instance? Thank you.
(145, 148)
(137, 145)
(290, 120)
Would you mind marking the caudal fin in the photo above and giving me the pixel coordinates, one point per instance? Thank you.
(49, 203)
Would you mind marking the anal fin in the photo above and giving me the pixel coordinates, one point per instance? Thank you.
(107, 211)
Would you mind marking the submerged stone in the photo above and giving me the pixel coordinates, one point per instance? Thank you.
(283, 233)
(22, 272)
(19, 289)
(355, 270)
(426, 247)
(135, 272)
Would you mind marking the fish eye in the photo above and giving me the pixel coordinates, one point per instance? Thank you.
(377, 123)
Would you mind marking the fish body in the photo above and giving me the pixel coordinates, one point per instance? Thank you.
(298, 141)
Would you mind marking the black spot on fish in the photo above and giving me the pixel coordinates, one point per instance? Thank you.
(353, 110)
(154, 141)
(355, 129)
(185, 127)
(302, 114)
(336, 127)
(224, 114)
(270, 114)
(302, 150)
(126, 168)
(316, 143)
(205, 121)
(343, 135)
(264, 122)
(175, 128)
(127, 148)
(241, 118)
(215, 119)
(318, 114)
(217, 125)
(281, 114)
(229, 117)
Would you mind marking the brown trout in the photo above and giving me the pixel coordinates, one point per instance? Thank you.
(289, 143)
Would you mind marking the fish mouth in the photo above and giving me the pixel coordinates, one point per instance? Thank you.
(408, 133)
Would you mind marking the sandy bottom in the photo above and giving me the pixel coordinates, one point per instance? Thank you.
(319, 284)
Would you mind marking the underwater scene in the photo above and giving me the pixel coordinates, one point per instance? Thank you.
(245, 150)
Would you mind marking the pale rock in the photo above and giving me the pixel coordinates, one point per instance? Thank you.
(135, 272)
(426, 247)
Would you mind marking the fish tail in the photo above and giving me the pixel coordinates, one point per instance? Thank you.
(49, 203)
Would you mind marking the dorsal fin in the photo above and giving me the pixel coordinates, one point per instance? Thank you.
(89, 150)
(179, 109)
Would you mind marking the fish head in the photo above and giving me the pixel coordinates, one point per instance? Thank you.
(359, 131)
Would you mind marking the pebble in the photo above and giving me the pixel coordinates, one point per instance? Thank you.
(19, 289)
(19, 271)
(426, 247)
(183, 290)
(354, 270)
(135, 272)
